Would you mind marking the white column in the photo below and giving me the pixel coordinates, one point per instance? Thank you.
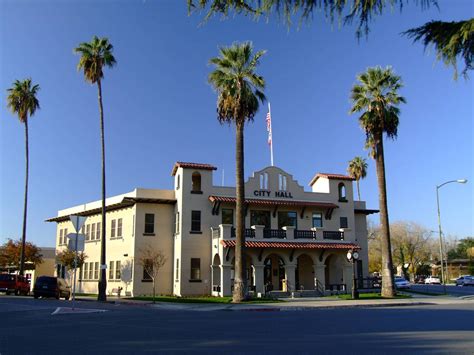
(290, 232)
(348, 276)
(258, 231)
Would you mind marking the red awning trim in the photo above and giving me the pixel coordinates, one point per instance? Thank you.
(263, 202)
(291, 245)
(185, 165)
(330, 177)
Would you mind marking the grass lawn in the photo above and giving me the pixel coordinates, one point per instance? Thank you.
(369, 296)
(203, 299)
(425, 293)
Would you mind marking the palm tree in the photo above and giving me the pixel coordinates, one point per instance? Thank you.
(358, 170)
(22, 101)
(377, 98)
(239, 89)
(95, 55)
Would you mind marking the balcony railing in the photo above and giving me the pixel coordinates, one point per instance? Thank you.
(274, 233)
(249, 233)
(333, 235)
(304, 234)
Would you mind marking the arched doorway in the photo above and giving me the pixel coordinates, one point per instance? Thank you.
(216, 275)
(304, 273)
(274, 272)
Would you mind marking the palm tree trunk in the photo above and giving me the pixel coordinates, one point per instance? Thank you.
(358, 189)
(102, 280)
(25, 208)
(388, 289)
(239, 277)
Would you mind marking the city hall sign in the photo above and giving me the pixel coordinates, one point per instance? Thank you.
(267, 193)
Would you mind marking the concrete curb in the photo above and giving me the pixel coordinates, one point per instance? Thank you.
(117, 302)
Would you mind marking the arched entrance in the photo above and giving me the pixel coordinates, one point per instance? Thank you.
(216, 276)
(334, 274)
(304, 273)
(274, 272)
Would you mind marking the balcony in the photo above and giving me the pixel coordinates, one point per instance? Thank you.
(227, 231)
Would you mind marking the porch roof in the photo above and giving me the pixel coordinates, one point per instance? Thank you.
(266, 202)
(291, 245)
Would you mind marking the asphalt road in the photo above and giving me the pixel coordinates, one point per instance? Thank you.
(27, 327)
(450, 289)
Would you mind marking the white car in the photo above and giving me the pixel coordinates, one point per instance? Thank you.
(432, 280)
(400, 282)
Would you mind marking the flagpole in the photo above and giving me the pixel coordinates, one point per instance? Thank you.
(271, 143)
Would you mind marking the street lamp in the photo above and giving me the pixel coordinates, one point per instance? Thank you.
(352, 256)
(460, 181)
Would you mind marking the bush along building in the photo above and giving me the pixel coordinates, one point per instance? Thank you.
(296, 240)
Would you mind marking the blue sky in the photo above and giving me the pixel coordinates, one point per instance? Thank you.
(159, 108)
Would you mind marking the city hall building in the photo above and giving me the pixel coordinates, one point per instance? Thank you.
(296, 240)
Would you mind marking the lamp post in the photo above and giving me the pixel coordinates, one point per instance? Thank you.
(441, 251)
(352, 256)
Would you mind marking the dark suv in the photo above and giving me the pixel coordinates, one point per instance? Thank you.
(49, 286)
(12, 283)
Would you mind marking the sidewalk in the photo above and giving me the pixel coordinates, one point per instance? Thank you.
(290, 304)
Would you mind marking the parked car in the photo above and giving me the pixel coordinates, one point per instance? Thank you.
(432, 280)
(49, 286)
(420, 279)
(401, 282)
(466, 280)
(12, 283)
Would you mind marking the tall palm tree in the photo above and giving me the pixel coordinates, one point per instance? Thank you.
(377, 98)
(239, 89)
(358, 170)
(22, 101)
(96, 55)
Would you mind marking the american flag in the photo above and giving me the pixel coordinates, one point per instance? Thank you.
(269, 128)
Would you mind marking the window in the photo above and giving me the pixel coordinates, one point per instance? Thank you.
(88, 232)
(119, 228)
(117, 270)
(342, 192)
(177, 182)
(281, 182)
(196, 178)
(195, 221)
(148, 267)
(287, 219)
(176, 223)
(261, 218)
(149, 223)
(60, 236)
(96, 270)
(111, 270)
(317, 220)
(93, 231)
(195, 269)
(264, 181)
(91, 271)
(65, 236)
(177, 270)
(113, 227)
(85, 275)
(97, 235)
(227, 216)
(343, 222)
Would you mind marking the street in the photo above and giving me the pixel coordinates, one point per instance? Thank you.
(28, 327)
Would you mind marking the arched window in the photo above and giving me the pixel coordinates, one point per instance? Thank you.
(196, 182)
(342, 192)
(177, 182)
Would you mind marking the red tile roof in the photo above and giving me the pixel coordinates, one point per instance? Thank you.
(181, 164)
(263, 202)
(330, 177)
(291, 245)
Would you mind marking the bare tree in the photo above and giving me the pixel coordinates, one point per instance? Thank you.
(152, 260)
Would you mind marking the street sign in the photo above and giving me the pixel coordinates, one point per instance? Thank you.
(77, 222)
(71, 244)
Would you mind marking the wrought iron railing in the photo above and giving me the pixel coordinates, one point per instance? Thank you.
(274, 233)
(249, 233)
(333, 235)
(305, 234)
